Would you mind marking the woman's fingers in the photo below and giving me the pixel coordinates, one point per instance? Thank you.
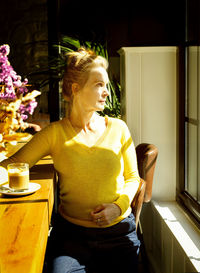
(105, 214)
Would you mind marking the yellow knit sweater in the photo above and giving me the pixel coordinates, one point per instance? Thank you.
(89, 176)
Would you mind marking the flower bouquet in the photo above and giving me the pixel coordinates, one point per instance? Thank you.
(16, 101)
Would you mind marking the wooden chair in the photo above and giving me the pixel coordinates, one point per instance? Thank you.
(146, 157)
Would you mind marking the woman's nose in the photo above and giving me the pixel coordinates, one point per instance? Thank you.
(106, 92)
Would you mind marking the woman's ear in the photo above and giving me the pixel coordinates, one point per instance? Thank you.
(75, 88)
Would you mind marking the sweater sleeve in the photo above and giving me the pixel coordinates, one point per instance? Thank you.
(131, 175)
(39, 146)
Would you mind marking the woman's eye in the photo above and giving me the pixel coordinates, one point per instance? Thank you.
(100, 84)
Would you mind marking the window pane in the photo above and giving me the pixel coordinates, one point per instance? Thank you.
(198, 125)
(192, 151)
(192, 82)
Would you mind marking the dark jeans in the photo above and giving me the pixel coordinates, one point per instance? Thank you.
(73, 248)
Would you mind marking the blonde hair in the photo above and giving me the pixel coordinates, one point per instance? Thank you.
(79, 64)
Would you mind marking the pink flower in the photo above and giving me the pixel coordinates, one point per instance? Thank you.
(4, 50)
(13, 89)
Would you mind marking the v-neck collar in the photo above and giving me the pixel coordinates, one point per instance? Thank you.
(77, 139)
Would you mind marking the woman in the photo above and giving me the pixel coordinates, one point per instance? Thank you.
(96, 162)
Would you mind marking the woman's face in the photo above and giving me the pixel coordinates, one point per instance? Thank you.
(93, 94)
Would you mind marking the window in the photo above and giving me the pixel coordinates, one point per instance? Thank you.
(192, 128)
(189, 115)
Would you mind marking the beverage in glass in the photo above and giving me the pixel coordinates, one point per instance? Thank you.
(18, 176)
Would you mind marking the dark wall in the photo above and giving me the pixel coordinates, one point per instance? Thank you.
(24, 23)
(24, 28)
(125, 23)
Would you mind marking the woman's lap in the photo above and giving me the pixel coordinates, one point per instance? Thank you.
(77, 249)
(66, 264)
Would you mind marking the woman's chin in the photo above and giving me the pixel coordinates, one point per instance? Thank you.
(100, 109)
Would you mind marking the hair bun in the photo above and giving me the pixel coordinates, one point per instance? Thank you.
(86, 51)
(80, 56)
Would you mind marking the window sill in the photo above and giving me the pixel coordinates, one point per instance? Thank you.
(183, 229)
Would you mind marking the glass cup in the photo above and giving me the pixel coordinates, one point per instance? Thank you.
(18, 176)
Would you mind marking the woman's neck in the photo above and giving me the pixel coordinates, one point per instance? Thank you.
(82, 121)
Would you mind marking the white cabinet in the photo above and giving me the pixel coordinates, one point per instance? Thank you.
(149, 91)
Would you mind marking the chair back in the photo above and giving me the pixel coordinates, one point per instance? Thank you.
(146, 158)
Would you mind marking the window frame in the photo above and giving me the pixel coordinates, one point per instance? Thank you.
(191, 206)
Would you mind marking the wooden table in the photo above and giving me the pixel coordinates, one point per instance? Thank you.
(24, 223)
